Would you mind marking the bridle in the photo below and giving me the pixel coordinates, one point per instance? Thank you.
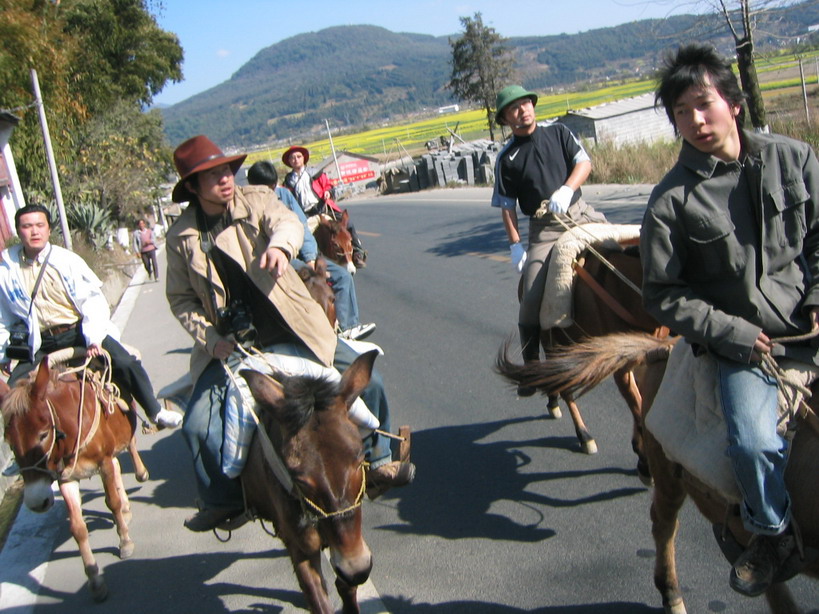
(56, 435)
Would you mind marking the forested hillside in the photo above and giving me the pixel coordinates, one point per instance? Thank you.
(364, 75)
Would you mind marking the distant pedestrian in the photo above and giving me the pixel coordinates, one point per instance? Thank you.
(145, 246)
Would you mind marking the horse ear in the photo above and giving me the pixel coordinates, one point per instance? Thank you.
(321, 266)
(345, 217)
(357, 377)
(40, 386)
(267, 391)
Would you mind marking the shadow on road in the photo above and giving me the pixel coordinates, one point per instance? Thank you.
(453, 463)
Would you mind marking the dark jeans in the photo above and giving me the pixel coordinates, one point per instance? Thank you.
(149, 262)
(127, 372)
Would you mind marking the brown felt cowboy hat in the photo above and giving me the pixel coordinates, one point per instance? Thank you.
(286, 154)
(194, 156)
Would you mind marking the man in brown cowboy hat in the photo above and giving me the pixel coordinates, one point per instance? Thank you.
(314, 193)
(229, 281)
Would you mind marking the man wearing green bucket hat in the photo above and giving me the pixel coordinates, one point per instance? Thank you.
(539, 164)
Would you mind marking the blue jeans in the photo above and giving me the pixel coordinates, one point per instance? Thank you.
(204, 418)
(758, 454)
(346, 300)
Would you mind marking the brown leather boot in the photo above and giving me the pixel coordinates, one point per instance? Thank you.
(755, 569)
(390, 475)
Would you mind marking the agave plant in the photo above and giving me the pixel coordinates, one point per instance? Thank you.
(91, 221)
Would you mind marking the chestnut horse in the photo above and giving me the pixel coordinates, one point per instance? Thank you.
(604, 303)
(62, 427)
(305, 474)
(335, 241)
(581, 367)
(319, 289)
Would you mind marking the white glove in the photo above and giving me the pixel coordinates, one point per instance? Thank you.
(561, 199)
(518, 255)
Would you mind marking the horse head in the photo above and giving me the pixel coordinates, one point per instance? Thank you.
(323, 453)
(335, 241)
(34, 435)
(319, 289)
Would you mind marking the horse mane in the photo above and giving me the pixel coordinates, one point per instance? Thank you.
(16, 402)
(304, 395)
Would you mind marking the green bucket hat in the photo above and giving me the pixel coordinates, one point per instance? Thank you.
(507, 96)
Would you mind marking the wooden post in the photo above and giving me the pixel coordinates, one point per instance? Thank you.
(52, 166)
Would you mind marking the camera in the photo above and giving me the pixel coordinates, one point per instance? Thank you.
(18, 348)
(236, 320)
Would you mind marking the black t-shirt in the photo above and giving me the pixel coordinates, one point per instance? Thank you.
(529, 169)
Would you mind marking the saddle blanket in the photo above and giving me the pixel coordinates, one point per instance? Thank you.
(556, 307)
(687, 420)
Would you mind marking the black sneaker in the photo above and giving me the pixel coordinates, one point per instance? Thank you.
(755, 569)
(212, 518)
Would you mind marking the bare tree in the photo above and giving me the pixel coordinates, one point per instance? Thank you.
(480, 63)
(745, 19)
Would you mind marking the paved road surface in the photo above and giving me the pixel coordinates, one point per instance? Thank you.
(505, 515)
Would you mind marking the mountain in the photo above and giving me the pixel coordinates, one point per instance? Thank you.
(365, 75)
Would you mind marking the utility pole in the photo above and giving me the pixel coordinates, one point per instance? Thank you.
(52, 165)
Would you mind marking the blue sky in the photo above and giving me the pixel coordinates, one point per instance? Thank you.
(219, 36)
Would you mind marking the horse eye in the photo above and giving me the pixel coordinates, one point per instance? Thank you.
(44, 435)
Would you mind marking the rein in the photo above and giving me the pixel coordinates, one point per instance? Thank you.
(799, 392)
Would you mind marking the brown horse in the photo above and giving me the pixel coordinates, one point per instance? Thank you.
(583, 366)
(604, 303)
(63, 428)
(319, 289)
(314, 498)
(335, 241)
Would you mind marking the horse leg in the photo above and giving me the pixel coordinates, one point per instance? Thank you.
(71, 495)
(311, 581)
(553, 407)
(669, 496)
(349, 597)
(780, 600)
(140, 470)
(587, 442)
(627, 385)
(112, 482)
(126, 502)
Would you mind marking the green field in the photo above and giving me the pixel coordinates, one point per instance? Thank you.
(389, 142)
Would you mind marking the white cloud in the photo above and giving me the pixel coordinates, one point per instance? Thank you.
(222, 53)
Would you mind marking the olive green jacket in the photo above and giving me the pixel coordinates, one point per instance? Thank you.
(730, 249)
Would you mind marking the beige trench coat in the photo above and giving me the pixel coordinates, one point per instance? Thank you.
(259, 221)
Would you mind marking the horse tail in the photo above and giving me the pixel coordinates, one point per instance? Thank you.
(579, 367)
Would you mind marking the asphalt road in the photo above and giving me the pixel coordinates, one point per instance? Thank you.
(506, 514)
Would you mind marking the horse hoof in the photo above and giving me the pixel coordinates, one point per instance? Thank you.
(555, 412)
(99, 590)
(126, 550)
(677, 608)
(645, 479)
(143, 477)
(589, 447)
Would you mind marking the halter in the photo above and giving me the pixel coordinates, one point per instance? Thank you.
(57, 434)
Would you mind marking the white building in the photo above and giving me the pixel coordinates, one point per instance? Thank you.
(631, 120)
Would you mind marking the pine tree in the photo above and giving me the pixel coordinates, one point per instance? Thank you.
(481, 64)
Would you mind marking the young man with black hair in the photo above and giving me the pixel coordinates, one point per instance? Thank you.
(730, 252)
